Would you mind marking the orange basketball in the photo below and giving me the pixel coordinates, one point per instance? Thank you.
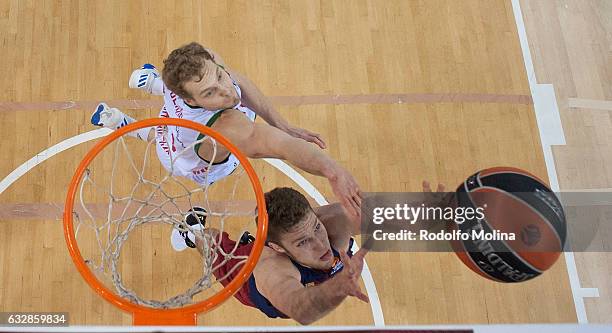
(523, 230)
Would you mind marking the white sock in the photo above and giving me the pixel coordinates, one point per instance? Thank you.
(142, 133)
(157, 87)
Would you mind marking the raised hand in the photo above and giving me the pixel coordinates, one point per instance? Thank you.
(347, 191)
(348, 279)
(438, 198)
(306, 135)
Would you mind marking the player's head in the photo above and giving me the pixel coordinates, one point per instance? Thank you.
(191, 72)
(294, 229)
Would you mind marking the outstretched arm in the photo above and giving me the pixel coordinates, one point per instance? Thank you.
(262, 140)
(340, 226)
(254, 99)
(279, 282)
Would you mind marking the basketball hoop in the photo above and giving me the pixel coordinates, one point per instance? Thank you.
(144, 312)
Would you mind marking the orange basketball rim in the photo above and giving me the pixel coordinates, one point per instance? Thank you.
(187, 315)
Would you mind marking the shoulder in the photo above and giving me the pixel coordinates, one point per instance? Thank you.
(233, 119)
(274, 269)
(274, 263)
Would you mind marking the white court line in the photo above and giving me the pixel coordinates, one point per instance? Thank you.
(366, 275)
(377, 313)
(551, 133)
(50, 152)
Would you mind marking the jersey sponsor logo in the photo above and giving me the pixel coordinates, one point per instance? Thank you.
(177, 108)
(161, 131)
(161, 139)
(338, 266)
(164, 113)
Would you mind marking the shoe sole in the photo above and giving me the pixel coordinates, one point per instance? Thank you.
(95, 117)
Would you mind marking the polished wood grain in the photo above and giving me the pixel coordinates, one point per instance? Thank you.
(82, 50)
(571, 44)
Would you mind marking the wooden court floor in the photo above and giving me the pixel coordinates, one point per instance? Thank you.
(558, 32)
(462, 103)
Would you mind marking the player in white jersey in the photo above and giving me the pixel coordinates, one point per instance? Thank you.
(197, 86)
(190, 164)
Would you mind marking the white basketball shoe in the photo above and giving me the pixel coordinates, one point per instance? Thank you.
(144, 78)
(182, 238)
(107, 117)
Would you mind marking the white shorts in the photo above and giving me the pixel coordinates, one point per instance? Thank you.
(194, 168)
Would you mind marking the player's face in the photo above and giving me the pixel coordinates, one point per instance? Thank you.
(308, 243)
(214, 91)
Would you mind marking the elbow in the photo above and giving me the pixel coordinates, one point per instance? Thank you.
(255, 154)
(263, 151)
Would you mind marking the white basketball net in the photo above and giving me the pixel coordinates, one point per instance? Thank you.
(136, 200)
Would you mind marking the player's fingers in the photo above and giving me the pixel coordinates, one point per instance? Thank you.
(357, 262)
(345, 260)
(318, 141)
(355, 205)
(360, 295)
(309, 132)
(356, 191)
(314, 136)
(322, 144)
(349, 267)
(353, 274)
(349, 206)
(426, 186)
(357, 199)
(441, 188)
(361, 253)
(359, 193)
(354, 188)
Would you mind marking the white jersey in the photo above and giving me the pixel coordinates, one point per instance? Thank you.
(177, 143)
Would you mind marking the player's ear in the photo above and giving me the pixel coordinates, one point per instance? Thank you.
(189, 101)
(276, 247)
